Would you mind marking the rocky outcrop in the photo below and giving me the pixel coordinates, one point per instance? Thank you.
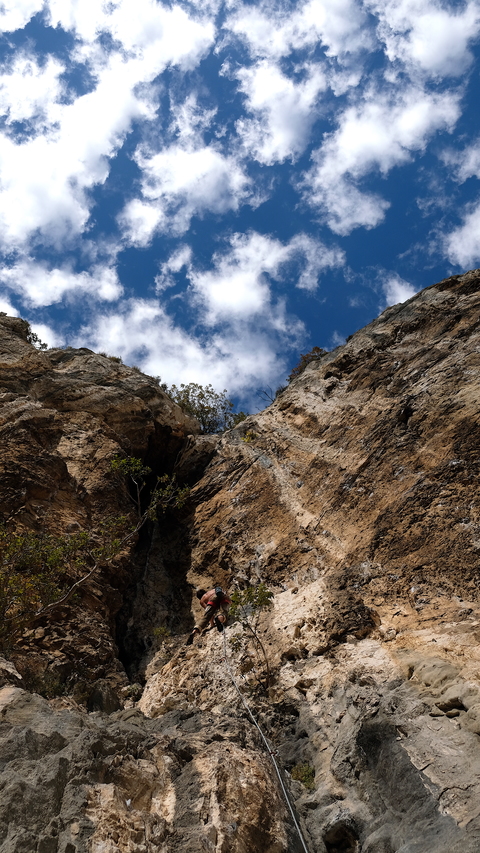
(64, 415)
(122, 783)
(354, 497)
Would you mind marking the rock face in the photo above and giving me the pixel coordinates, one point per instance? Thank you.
(354, 497)
(64, 414)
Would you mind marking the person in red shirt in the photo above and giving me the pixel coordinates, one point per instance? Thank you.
(215, 603)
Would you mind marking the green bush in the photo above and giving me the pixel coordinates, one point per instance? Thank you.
(313, 355)
(211, 408)
(38, 570)
(33, 338)
(166, 493)
(305, 774)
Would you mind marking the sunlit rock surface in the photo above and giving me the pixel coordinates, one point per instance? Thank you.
(354, 497)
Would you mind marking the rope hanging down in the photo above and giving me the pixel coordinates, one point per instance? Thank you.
(265, 741)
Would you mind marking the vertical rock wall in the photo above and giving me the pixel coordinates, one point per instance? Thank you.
(354, 497)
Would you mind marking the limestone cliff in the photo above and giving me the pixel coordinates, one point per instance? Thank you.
(354, 497)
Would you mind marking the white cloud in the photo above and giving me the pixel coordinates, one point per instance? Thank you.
(342, 204)
(181, 258)
(48, 335)
(179, 182)
(462, 245)
(45, 181)
(40, 286)
(284, 111)
(249, 331)
(270, 31)
(239, 359)
(376, 135)
(466, 163)
(396, 289)
(422, 34)
(29, 90)
(337, 340)
(156, 35)
(6, 307)
(15, 14)
(238, 286)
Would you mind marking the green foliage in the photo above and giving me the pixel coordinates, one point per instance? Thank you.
(162, 636)
(237, 418)
(305, 774)
(236, 643)
(249, 603)
(34, 339)
(166, 493)
(161, 633)
(130, 466)
(249, 436)
(313, 355)
(38, 570)
(211, 408)
(248, 606)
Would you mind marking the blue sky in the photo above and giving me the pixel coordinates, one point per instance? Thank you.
(210, 188)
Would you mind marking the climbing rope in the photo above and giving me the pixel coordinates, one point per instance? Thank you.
(270, 751)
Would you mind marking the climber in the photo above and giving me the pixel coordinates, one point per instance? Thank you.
(215, 602)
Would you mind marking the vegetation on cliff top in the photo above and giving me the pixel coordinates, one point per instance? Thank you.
(212, 409)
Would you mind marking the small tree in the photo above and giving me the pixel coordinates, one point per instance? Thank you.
(166, 493)
(40, 571)
(211, 408)
(35, 340)
(248, 606)
(313, 355)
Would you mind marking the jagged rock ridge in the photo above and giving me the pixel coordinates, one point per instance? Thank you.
(355, 497)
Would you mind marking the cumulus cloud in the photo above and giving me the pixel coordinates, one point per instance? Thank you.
(15, 14)
(38, 285)
(183, 180)
(239, 283)
(6, 306)
(337, 340)
(397, 290)
(273, 30)
(29, 91)
(284, 111)
(462, 245)
(143, 334)
(45, 180)
(48, 335)
(153, 34)
(182, 257)
(243, 330)
(464, 163)
(363, 80)
(424, 35)
(379, 133)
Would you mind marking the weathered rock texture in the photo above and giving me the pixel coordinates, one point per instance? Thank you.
(64, 415)
(355, 498)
